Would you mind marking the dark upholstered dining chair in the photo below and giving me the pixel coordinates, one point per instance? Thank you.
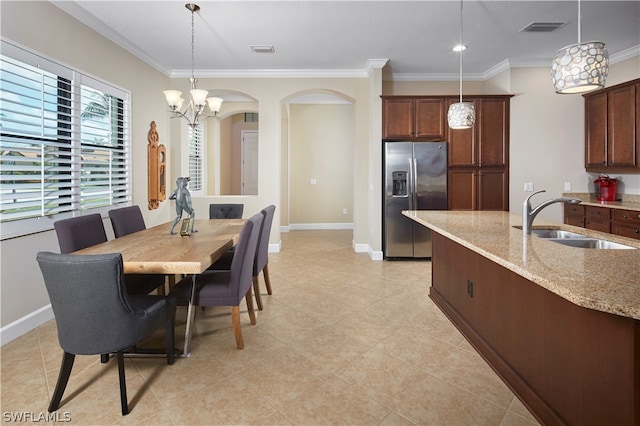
(227, 287)
(226, 211)
(81, 232)
(125, 221)
(261, 263)
(95, 315)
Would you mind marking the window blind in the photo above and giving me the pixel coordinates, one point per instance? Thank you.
(64, 143)
(195, 157)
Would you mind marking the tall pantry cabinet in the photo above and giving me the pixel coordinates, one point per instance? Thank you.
(478, 160)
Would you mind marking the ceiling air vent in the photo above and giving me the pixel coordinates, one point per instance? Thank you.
(542, 27)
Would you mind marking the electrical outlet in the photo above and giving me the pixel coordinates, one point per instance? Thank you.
(312, 181)
(567, 186)
(528, 187)
(344, 211)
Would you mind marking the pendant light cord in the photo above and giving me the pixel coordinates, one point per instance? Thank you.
(193, 32)
(461, 49)
(579, 23)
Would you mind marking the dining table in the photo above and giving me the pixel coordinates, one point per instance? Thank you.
(156, 251)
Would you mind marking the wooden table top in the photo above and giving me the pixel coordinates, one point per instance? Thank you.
(156, 251)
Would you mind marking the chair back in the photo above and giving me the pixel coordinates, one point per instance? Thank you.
(262, 252)
(126, 220)
(92, 310)
(226, 211)
(80, 232)
(241, 271)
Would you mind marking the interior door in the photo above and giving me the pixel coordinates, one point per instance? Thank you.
(249, 162)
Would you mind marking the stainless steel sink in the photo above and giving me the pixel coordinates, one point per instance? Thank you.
(556, 234)
(589, 243)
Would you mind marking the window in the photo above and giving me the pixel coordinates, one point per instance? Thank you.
(195, 157)
(64, 143)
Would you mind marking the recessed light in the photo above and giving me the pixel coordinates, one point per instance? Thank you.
(262, 48)
(459, 47)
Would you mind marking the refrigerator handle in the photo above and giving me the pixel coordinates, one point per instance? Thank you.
(414, 183)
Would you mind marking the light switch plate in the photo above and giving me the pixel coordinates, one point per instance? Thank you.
(567, 186)
(528, 187)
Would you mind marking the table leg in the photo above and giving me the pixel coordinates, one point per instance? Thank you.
(190, 312)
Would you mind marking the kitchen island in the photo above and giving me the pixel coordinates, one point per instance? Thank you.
(559, 324)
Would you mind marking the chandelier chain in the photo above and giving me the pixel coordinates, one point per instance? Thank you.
(461, 48)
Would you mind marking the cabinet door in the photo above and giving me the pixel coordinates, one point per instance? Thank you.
(462, 142)
(429, 118)
(574, 215)
(597, 218)
(493, 131)
(621, 131)
(462, 189)
(596, 130)
(493, 190)
(397, 118)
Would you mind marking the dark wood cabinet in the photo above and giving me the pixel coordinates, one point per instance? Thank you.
(486, 143)
(574, 215)
(625, 223)
(612, 118)
(597, 218)
(567, 363)
(478, 158)
(470, 189)
(413, 118)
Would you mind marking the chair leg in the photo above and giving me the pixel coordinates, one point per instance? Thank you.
(267, 281)
(237, 331)
(63, 379)
(169, 337)
(123, 384)
(252, 312)
(256, 290)
(104, 358)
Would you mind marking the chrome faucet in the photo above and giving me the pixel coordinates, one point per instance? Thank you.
(528, 214)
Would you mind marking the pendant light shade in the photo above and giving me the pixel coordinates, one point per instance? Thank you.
(461, 115)
(580, 67)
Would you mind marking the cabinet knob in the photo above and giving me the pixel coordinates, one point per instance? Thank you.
(625, 216)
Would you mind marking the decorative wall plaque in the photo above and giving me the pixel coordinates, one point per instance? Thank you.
(157, 161)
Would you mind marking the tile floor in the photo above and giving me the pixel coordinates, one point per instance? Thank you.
(342, 340)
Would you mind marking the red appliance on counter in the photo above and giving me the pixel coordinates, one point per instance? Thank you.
(606, 188)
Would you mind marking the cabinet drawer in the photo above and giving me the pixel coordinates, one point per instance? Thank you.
(574, 215)
(597, 213)
(626, 216)
(626, 230)
(598, 225)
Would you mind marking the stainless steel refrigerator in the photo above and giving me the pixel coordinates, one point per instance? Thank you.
(415, 178)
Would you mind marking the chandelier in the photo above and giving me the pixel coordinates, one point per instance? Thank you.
(580, 67)
(194, 112)
(461, 115)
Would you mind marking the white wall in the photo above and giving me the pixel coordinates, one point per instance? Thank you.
(49, 31)
(547, 138)
(321, 139)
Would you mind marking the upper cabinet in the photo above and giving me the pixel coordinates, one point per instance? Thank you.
(413, 118)
(478, 158)
(486, 143)
(612, 117)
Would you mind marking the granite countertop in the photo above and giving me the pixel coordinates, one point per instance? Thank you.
(604, 280)
(626, 201)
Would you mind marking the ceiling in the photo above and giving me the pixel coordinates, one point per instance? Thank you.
(345, 38)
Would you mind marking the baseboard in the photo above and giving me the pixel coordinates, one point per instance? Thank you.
(315, 226)
(25, 324)
(366, 248)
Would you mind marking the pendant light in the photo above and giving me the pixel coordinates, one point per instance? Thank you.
(580, 67)
(195, 109)
(461, 115)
